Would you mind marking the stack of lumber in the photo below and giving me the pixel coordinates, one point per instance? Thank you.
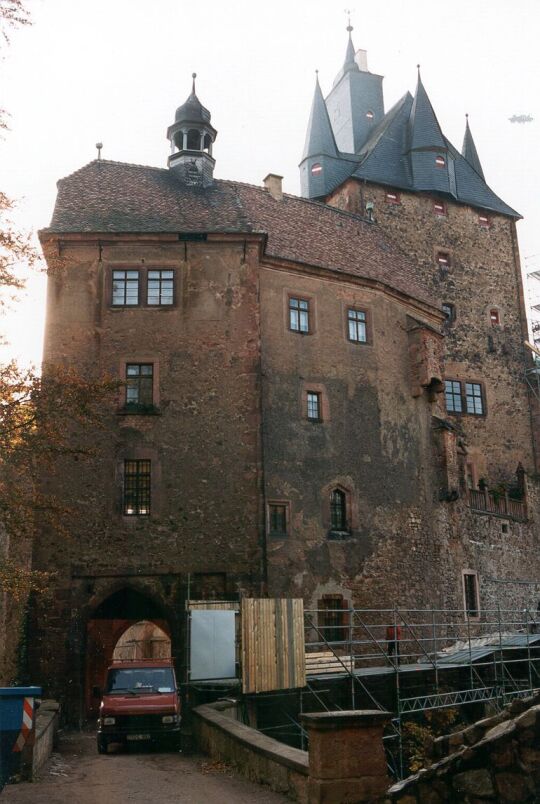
(327, 662)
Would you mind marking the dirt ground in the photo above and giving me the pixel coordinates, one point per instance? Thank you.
(77, 774)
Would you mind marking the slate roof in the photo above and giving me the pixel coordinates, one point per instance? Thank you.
(106, 196)
(349, 63)
(400, 152)
(469, 151)
(385, 159)
(382, 157)
(320, 137)
(424, 128)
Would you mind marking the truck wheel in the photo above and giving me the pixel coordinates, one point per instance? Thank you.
(102, 745)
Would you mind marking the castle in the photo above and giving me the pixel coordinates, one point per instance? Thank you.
(322, 397)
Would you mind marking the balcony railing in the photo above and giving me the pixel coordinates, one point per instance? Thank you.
(488, 502)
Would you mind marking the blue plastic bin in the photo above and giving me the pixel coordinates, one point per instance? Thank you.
(17, 725)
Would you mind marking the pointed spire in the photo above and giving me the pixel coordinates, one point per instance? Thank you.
(349, 63)
(425, 131)
(320, 137)
(469, 150)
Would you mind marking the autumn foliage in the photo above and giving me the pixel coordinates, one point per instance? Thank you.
(41, 417)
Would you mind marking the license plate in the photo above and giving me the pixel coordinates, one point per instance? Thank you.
(138, 736)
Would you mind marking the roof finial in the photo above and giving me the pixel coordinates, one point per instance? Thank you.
(194, 76)
(99, 146)
(349, 26)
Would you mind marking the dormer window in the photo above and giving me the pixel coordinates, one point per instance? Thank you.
(370, 115)
(440, 161)
(316, 169)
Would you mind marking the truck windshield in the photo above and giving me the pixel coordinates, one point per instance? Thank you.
(140, 679)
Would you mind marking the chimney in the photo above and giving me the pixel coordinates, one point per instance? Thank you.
(361, 59)
(272, 183)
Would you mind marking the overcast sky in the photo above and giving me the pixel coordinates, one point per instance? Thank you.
(115, 71)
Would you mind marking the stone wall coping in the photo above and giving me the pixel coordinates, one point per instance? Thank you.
(48, 705)
(46, 715)
(259, 743)
(324, 721)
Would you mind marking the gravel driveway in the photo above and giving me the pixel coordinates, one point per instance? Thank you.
(77, 774)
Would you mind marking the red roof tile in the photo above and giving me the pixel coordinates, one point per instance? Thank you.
(109, 196)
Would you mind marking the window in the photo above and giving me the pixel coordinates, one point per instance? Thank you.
(314, 406)
(357, 325)
(277, 519)
(338, 510)
(449, 311)
(125, 289)
(452, 394)
(474, 398)
(316, 169)
(494, 317)
(370, 115)
(440, 161)
(139, 384)
(137, 479)
(443, 260)
(393, 198)
(484, 222)
(332, 618)
(299, 315)
(160, 287)
(439, 208)
(467, 397)
(470, 593)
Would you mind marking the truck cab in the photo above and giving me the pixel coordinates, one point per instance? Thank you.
(140, 702)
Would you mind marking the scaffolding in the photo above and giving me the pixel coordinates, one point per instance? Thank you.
(410, 661)
(404, 661)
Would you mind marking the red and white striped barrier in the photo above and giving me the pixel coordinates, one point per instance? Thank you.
(26, 728)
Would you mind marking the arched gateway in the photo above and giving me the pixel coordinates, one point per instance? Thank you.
(107, 624)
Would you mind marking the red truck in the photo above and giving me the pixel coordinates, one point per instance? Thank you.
(140, 702)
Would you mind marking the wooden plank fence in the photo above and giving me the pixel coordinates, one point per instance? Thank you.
(272, 644)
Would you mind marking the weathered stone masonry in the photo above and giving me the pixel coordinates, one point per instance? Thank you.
(228, 434)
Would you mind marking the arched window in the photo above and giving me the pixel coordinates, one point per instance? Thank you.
(440, 161)
(338, 510)
(194, 140)
(178, 140)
